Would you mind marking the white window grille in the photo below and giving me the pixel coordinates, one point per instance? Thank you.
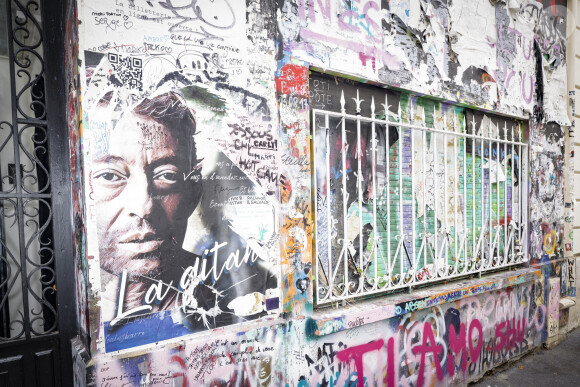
(436, 202)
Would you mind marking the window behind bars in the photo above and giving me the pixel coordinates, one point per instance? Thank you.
(410, 191)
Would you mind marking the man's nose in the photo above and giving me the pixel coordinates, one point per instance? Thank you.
(138, 196)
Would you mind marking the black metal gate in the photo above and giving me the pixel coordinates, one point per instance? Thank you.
(37, 314)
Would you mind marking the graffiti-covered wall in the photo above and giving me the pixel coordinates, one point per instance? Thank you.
(197, 169)
(454, 341)
(74, 120)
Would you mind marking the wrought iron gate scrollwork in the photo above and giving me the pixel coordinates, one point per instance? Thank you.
(28, 306)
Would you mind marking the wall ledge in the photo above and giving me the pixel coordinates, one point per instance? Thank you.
(566, 302)
(325, 322)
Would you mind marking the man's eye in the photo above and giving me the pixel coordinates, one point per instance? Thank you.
(110, 177)
(166, 176)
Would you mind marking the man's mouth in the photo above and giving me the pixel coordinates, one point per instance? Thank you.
(141, 243)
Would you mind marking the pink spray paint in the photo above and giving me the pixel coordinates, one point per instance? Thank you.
(356, 353)
(428, 346)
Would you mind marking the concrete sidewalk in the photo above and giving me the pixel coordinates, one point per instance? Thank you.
(554, 367)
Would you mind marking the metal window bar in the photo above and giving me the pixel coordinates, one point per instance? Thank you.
(369, 236)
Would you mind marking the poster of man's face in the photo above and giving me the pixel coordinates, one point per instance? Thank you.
(142, 199)
(174, 222)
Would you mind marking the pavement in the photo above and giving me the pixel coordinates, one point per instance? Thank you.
(559, 366)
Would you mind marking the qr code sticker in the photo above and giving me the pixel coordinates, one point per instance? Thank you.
(128, 71)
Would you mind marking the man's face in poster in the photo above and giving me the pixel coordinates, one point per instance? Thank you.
(142, 201)
(265, 370)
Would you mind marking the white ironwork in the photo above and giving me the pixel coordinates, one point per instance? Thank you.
(426, 253)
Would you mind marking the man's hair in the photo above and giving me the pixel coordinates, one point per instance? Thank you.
(170, 110)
